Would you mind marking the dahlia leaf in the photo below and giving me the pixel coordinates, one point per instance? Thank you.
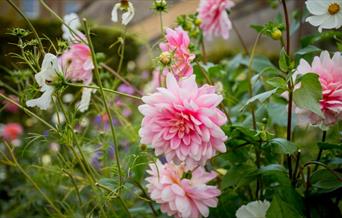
(309, 94)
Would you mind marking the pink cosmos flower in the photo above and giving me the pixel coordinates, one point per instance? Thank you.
(182, 121)
(330, 77)
(177, 43)
(215, 20)
(77, 65)
(182, 197)
(11, 131)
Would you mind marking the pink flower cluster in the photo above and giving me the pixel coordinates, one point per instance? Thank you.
(330, 77)
(177, 44)
(182, 122)
(178, 196)
(214, 17)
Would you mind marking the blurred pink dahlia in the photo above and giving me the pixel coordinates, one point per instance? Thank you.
(177, 43)
(214, 17)
(11, 131)
(330, 77)
(178, 196)
(182, 121)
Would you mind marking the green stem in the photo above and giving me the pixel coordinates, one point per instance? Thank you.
(104, 89)
(249, 78)
(320, 150)
(41, 48)
(243, 44)
(122, 51)
(28, 177)
(97, 75)
(29, 112)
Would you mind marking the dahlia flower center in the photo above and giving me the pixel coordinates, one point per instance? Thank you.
(333, 8)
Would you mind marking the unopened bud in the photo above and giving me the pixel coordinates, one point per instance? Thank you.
(198, 22)
(160, 5)
(276, 34)
(221, 171)
(143, 147)
(165, 58)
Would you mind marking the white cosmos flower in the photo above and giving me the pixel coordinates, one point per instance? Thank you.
(85, 99)
(254, 209)
(47, 74)
(326, 14)
(127, 8)
(70, 28)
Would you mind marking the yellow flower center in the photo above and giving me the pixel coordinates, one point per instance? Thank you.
(333, 8)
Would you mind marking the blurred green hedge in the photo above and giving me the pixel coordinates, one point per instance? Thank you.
(103, 38)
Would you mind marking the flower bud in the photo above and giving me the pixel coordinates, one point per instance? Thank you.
(165, 58)
(276, 34)
(221, 171)
(160, 5)
(198, 22)
(143, 147)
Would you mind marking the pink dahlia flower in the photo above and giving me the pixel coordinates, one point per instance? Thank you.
(215, 20)
(330, 77)
(182, 121)
(11, 131)
(182, 197)
(177, 43)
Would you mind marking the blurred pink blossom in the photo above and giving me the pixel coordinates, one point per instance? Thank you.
(11, 131)
(178, 196)
(9, 106)
(214, 17)
(330, 77)
(77, 65)
(182, 122)
(177, 43)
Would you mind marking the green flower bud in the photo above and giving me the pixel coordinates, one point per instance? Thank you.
(276, 34)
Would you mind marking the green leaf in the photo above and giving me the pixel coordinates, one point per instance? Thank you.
(329, 146)
(309, 94)
(260, 97)
(285, 146)
(239, 175)
(277, 82)
(278, 114)
(326, 180)
(282, 209)
(307, 50)
(283, 61)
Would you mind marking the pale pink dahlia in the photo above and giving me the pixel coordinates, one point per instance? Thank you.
(178, 196)
(177, 43)
(214, 17)
(182, 121)
(330, 77)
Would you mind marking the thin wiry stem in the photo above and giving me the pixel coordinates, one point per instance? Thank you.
(29, 112)
(97, 75)
(28, 177)
(104, 89)
(249, 78)
(40, 44)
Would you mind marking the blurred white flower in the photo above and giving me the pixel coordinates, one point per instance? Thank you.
(58, 118)
(327, 14)
(84, 122)
(128, 12)
(47, 74)
(54, 147)
(68, 98)
(70, 28)
(254, 209)
(83, 105)
(16, 142)
(46, 160)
